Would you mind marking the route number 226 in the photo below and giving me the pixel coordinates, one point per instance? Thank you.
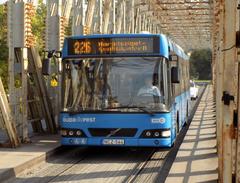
(82, 47)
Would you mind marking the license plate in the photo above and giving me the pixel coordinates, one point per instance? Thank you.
(113, 142)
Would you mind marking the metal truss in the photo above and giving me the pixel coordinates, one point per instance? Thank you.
(187, 22)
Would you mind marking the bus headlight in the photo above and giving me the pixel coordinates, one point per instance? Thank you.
(166, 133)
(156, 134)
(70, 133)
(78, 133)
(64, 132)
(148, 133)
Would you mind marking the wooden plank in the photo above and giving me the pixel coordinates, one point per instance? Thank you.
(124, 17)
(229, 65)
(2, 126)
(34, 62)
(238, 105)
(24, 93)
(218, 88)
(113, 17)
(106, 15)
(78, 17)
(89, 13)
(132, 21)
(100, 16)
(7, 117)
(34, 109)
(138, 21)
(119, 17)
(238, 134)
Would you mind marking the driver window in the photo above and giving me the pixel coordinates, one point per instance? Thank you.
(160, 80)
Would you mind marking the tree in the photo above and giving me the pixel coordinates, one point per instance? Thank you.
(200, 64)
(39, 25)
(38, 28)
(3, 46)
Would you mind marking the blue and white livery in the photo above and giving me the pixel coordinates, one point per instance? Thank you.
(102, 76)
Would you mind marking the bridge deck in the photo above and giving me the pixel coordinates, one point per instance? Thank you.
(197, 159)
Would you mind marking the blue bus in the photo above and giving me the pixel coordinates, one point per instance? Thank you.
(123, 90)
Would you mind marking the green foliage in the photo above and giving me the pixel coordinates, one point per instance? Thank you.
(38, 28)
(39, 25)
(3, 46)
(200, 64)
(3, 33)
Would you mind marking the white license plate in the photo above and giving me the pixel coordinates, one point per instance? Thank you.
(113, 142)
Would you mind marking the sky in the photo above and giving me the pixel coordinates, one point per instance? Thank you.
(2, 1)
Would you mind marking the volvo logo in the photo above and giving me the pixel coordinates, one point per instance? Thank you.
(158, 120)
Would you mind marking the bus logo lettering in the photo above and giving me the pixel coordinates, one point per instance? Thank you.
(79, 119)
(158, 120)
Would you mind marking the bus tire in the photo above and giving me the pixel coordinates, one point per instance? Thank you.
(177, 124)
(187, 112)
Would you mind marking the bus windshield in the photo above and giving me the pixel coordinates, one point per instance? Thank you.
(113, 84)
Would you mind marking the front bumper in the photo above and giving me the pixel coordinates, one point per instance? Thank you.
(153, 142)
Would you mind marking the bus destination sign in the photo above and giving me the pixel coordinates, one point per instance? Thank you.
(113, 46)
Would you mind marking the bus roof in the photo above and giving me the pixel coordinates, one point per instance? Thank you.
(118, 45)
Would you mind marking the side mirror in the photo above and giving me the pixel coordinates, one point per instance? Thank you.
(175, 75)
(46, 66)
(173, 58)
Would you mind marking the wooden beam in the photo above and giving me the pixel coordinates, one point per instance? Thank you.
(113, 16)
(229, 82)
(89, 13)
(35, 63)
(106, 15)
(8, 118)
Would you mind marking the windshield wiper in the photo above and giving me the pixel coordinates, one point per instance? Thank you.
(73, 112)
(132, 107)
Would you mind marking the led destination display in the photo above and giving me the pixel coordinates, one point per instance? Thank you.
(113, 46)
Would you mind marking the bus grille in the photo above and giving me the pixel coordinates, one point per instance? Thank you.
(113, 132)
